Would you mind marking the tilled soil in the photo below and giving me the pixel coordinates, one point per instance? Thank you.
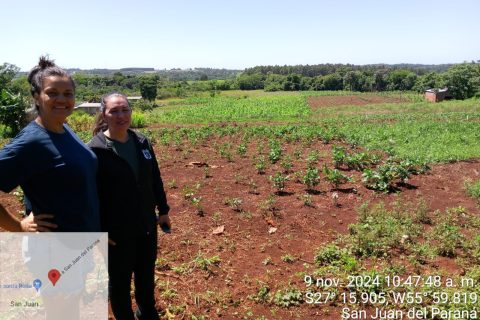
(263, 227)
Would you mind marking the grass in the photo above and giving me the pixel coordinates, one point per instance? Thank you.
(473, 189)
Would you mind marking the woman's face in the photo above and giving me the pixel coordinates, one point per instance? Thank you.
(56, 100)
(117, 114)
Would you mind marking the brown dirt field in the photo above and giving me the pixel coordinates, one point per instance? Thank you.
(332, 101)
(249, 254)
(246, 242)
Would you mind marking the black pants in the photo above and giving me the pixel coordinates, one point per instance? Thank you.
(133, 255)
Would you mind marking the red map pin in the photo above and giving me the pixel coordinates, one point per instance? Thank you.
(54, 275)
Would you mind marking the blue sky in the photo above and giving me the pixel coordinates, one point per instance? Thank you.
(237, 34)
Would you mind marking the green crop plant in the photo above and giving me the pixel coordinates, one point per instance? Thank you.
(287, 164)
(288, 258)
(288, 297)
(262, 295)
(216, 218)
(312, 158)
(234, 203)
(307, 200)
(225, 152)
(339, 154)
(205, 263)
(356, 161)
(385, 177)
(311, 178)
(197, 203)
(253, 188)
(279, 181)
(335, 177)
(360, 161)
(260, 164)
(268, 206)
(275, 152)
(242, 149)
(188, 192)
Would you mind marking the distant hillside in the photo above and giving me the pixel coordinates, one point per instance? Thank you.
(172, 74)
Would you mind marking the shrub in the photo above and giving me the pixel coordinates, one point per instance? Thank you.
(143, 105)
(80, 121)
(138, 120)
(380, 230)
(12, 112)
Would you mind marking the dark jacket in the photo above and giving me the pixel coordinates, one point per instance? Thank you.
(127, 205)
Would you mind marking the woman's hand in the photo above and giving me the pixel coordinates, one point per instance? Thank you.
(37, 223)
(164, 222)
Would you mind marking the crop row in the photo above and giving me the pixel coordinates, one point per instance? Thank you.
(221, 109)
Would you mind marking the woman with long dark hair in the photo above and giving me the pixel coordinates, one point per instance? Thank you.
(130, 191)
(51, 164)
(57, 173)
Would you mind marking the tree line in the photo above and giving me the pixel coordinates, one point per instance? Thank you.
(463, 80)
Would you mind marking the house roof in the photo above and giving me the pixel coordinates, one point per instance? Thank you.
(437, 90)
(89, 105)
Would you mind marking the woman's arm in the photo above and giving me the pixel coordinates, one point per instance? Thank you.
(29, 224)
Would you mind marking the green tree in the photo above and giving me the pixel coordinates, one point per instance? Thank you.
(462, 80)
(148, 88)
(401, 80)
(427, 81)
(380, 80)
(7, 73)
(12, 111)
(352, 81)
(332, 81)
(12, 106)
(292, 82)
(274, 82)
(250, 82)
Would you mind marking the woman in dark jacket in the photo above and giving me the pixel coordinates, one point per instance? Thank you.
(130, 190)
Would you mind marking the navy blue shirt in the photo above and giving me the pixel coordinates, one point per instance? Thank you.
(57, 173)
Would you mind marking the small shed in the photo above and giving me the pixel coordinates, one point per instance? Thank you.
(437, 95)
(89, 107)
